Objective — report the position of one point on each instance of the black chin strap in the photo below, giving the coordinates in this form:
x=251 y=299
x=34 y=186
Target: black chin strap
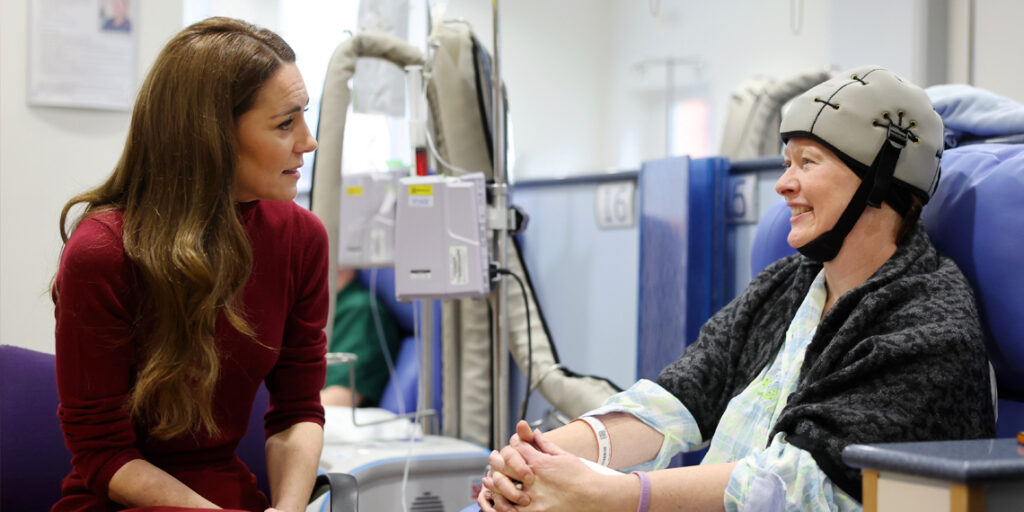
x=872 y=191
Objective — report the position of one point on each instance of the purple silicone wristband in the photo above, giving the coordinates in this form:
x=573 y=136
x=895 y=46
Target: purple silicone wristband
x=645 y=491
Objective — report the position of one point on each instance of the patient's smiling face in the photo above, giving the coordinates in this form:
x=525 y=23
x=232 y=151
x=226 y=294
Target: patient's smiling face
x=817 y=186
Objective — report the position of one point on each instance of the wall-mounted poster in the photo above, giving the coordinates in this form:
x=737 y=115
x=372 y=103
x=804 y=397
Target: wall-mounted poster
x=82 y=53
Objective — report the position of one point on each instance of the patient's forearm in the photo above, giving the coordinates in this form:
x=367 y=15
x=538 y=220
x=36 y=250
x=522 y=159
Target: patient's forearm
x=633 y=441
x=139 y=484
x=690 y=488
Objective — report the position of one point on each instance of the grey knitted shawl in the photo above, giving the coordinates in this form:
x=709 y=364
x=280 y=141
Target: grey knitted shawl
x=900 y=358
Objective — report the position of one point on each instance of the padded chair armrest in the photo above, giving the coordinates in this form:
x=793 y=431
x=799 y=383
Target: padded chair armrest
x=343 y=488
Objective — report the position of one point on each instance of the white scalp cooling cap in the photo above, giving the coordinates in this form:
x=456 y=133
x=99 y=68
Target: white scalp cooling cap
x=851 y=114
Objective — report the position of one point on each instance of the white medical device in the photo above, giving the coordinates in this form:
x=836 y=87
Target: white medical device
x=444 y=473
x=367 y=237
x=441 y=247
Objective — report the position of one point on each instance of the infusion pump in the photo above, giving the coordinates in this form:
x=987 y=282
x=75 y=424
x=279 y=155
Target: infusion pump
x=441 y=246
x=367 y=237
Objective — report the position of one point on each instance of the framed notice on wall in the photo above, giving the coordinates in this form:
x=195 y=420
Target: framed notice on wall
x=82 y=53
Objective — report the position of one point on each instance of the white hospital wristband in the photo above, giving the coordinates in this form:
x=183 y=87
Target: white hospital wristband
x=604 y=442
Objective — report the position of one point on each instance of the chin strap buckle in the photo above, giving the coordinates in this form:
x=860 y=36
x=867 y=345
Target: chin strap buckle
x=897 y=136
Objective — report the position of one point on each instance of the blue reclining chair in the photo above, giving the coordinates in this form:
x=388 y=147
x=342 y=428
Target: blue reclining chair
x=403 y=389
x=977 y=218
x=33 y=459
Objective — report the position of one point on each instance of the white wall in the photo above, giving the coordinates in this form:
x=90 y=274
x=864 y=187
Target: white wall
x=554 y=62
x=993 y=28
x=261 y=12
x=734 y=40
x=578 y=103
x=46 y=156
x=999 y=44
x=910 y=39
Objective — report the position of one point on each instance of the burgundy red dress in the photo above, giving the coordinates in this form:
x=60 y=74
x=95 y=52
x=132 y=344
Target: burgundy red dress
x=97 y=294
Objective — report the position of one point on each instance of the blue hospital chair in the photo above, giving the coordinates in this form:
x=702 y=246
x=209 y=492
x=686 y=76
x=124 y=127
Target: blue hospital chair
x=33 y=459
x=977 y=218
x=406 y=380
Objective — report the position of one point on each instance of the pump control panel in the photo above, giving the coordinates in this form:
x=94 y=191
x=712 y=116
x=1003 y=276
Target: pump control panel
x=441 y=246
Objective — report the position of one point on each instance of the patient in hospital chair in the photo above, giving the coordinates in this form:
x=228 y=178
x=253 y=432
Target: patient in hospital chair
x=359 y=328
x=868 y=335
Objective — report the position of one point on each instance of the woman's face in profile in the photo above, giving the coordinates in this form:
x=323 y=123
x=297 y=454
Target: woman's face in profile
x=272 y=136
x=817 y=186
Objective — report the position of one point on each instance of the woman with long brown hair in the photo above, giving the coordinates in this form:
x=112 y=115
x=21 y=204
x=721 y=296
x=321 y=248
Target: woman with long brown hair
x=190 y=278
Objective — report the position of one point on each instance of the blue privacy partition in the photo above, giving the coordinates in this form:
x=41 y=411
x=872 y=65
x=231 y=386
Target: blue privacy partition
x=622 y=303
x=694 y=253
x=741 y=236
x=689 y=254
x=584 y=277
x=683 y=260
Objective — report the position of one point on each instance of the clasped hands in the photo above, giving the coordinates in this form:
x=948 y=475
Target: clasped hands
x=533 y=474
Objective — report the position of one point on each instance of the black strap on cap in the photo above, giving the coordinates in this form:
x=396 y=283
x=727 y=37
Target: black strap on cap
x=873 y=188
x=885 y=163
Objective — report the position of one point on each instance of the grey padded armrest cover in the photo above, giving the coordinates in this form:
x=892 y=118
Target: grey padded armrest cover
x=326 y=199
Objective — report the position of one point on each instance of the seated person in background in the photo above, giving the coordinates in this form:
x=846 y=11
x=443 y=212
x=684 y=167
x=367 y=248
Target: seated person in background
x=356 y=331
x=868 y=336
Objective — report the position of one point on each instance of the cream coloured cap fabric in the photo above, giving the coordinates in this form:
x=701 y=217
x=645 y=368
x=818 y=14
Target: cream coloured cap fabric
x=855 y=112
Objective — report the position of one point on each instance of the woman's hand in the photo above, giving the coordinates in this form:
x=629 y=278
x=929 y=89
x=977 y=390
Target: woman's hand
x=562 y=482
x=507 y=475
x=535 y=474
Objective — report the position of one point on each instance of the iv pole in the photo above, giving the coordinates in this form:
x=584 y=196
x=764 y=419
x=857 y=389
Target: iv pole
x=499 y=354
x=670 y=64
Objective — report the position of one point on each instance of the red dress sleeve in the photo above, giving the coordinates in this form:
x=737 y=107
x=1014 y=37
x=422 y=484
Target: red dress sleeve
x=298 y=376
x=95 y=311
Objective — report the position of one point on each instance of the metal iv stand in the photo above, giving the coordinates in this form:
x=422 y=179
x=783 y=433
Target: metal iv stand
x=670 y=64
x=500 y=223
x=499 y=300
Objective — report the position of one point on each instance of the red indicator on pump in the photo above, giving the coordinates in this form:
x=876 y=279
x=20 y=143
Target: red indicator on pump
x=421 y=161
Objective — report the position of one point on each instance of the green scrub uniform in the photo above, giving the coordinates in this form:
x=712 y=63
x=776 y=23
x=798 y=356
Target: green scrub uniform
x=354 y=332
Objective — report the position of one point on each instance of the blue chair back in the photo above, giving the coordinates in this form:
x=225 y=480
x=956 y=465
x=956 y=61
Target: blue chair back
x=770 y=243
x=33 y=459
x=251 y=448
x=403 y=389
x=977 y=218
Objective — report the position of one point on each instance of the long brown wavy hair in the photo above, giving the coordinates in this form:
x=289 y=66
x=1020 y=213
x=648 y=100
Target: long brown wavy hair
x=173 y=185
